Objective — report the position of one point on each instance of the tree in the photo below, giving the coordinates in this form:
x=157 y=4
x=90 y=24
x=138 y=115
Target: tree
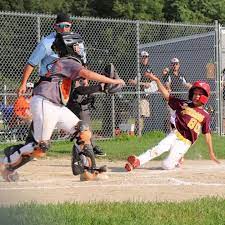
x=194 y=11
x=14 y=5
x=138 y=9
x=197 y=11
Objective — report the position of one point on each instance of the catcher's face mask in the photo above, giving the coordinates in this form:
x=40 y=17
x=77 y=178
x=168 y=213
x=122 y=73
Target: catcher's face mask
x=69 y=44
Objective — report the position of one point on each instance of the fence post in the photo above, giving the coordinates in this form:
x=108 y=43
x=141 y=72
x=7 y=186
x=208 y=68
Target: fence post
x=38 y=35
x=138 y=76
x=5 y=94
x=113 y=116
x=218 y=51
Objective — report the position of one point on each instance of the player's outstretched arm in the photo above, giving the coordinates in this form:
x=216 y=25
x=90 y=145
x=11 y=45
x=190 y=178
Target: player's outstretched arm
x=161 y=87
x=208 y=139
x=90 y=75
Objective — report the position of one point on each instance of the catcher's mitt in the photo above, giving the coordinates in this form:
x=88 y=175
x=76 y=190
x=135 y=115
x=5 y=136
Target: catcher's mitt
x=110 y=72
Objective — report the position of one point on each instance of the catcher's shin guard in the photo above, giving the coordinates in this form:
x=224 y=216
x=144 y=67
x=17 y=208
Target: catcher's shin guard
x=77 y=163
x=82 y=159
x=16 y=154
x=8 y=174
x=83 y=164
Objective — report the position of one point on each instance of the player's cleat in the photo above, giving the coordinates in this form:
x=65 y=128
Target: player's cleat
x=132 y=163
x=98 y=151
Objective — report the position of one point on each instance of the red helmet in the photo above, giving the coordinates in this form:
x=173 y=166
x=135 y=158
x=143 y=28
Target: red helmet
x=205 y=87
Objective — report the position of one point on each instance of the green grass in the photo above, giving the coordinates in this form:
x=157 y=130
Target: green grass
x=121 y=147
x=207 y=211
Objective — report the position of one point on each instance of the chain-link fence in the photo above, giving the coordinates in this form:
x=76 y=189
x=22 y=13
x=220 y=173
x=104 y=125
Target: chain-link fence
x=135 y=109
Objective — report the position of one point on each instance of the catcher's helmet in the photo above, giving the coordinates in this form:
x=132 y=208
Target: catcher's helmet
x=65 y=45
x=205 y=87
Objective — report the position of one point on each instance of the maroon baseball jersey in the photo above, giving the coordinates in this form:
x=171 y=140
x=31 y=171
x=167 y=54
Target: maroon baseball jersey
x=190 y=120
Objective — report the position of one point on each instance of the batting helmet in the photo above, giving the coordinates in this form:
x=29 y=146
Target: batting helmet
x=205 y=87
x=65 y=45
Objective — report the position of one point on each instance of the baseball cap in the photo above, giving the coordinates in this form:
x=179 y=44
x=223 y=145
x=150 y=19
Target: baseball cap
x=175 y=60
x=144 y=54
x=62 y=17
x=30 y=85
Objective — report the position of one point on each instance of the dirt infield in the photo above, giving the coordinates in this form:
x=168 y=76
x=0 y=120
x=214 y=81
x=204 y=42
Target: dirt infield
x=51 y=181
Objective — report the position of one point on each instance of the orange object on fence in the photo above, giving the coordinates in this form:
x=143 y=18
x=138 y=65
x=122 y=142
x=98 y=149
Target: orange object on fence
x=22 y=107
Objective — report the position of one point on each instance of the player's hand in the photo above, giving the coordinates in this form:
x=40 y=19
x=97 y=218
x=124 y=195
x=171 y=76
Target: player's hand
x=213 y=158
x=146 y=85
x=22 y=90
x=132 y=82
x=119 y=81
x=151 y=76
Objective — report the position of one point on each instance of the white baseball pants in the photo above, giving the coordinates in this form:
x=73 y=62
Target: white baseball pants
x=46 y=117
x=172 y=143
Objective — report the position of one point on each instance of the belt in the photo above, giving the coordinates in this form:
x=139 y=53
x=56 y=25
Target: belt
x=182 y=138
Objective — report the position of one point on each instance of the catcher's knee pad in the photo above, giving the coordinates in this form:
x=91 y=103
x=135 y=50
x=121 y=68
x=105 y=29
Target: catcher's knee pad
x=83 y=134
x=82 y=159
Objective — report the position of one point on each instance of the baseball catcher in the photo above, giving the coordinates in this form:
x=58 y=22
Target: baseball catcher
x=50 y=96
x=82 y=100
x=191 y=120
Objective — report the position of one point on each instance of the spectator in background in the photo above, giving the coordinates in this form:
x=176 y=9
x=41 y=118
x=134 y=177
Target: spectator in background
x=176 y=83
x=147 y=87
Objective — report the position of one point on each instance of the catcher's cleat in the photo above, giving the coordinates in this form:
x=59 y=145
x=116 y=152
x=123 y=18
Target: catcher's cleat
x=98 y=151
x=10 y=175
x=98 y=174
x=87 y=176
x=132 y=163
